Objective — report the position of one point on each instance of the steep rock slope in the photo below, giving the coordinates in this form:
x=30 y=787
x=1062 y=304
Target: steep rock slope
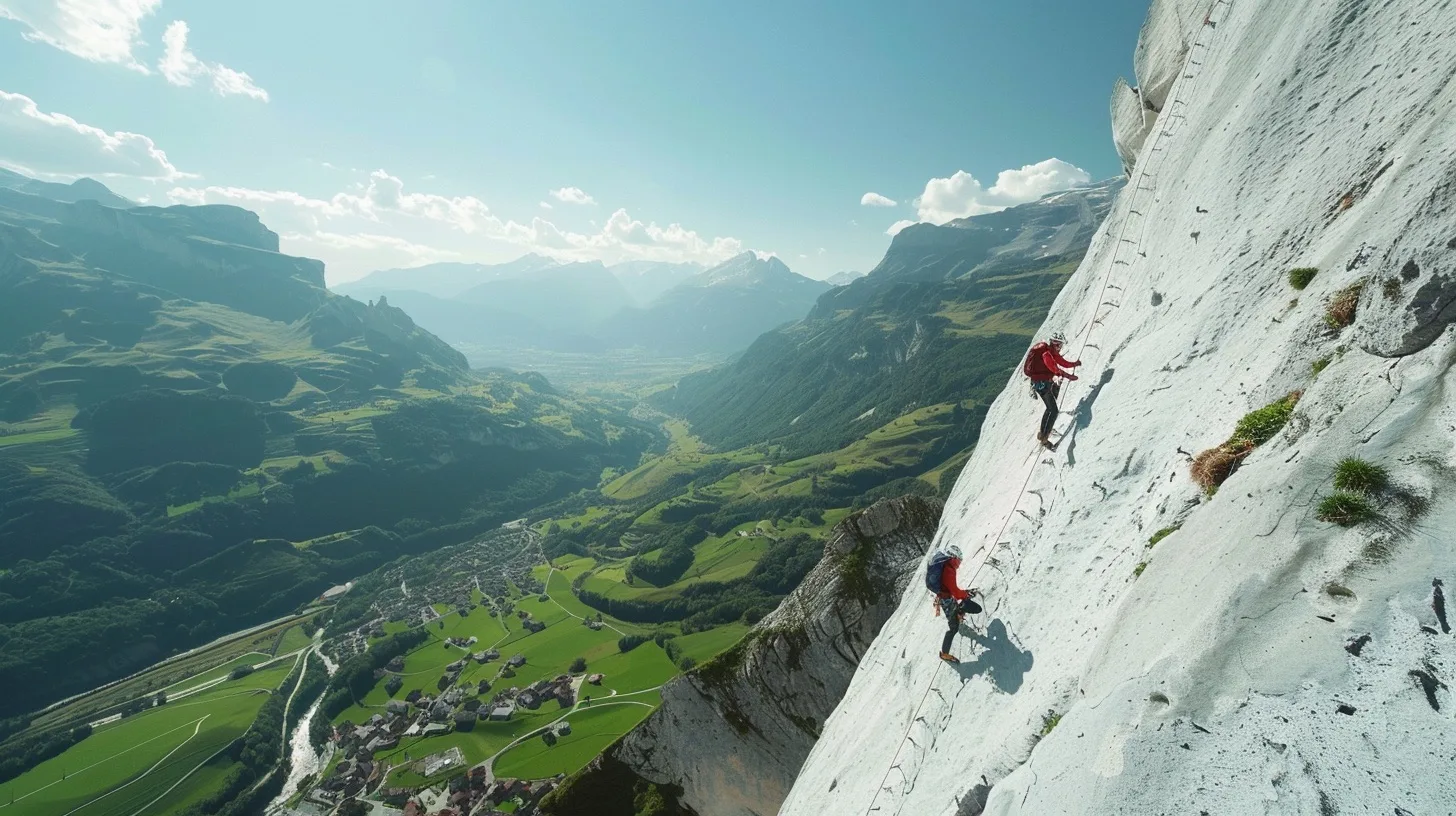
x=1264 y=660
x=732 y=734
x=942 y=317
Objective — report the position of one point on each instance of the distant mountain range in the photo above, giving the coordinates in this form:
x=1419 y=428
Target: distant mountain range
x=79 y=190
x=669 y=309
x=441 y=280
x=722 y=309
x=844 y=278
x=944 y=317
x=646 y=280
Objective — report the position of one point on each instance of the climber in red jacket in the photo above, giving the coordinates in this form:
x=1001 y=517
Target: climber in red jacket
x=1044 y=363
x=954 y=602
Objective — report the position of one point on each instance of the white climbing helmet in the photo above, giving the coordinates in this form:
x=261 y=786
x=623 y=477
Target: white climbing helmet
x=953 y=551
x=1058 y=339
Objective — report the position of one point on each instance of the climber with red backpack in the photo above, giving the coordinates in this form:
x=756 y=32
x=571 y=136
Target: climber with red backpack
x=1044 y=364
x=950 y=599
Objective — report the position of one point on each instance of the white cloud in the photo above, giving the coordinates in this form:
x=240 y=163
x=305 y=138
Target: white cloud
x=876 y=200
x=371 y=241
x=545 y=206
x=349 y=256
x=182 y=67
x=382 y=215
x=55 y=144
x=961 y=195
x=179 y=65
x=572 y=195
x=227 y=82
x=897 y=226
x=822 y=250
x=104 y=31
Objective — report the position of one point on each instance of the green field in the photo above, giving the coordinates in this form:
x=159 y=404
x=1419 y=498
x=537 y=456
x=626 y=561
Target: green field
x=593 y=728
x=182 y=673
x=242 y=491
x=722 y=558
x=685 y=456
x=898 y=444
x=292 y=640
x=199 y=785
x=249 y=659
x=37 y=436
x=126 y=765
x=703 y=646
x=47 y=426
x=717 y=559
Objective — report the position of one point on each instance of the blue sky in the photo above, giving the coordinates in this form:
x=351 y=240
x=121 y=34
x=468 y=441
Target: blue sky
x=375 y=134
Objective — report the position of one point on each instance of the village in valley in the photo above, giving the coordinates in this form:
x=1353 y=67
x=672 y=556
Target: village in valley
x=514 y=684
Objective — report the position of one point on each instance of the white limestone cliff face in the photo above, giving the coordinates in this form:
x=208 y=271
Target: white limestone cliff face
x=1264 y=661
x=1170 y=37
x=734 y=733
x=1132 y=121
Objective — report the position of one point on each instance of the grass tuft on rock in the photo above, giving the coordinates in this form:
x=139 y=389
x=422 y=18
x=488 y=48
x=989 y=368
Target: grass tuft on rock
x=1301 y=276
x=1049 y=721
x=1260 y=426
x=1354 y=475
x=1137 y=571
x=1162 y=534
x=1345 y=509
x=1341 y=310
x=1320 y=365
x=1211 y=467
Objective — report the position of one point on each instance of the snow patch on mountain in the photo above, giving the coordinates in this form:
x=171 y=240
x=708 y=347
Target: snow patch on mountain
x=1258 y=659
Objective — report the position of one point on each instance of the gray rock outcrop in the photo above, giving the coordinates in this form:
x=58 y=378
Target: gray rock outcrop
x=734 y=733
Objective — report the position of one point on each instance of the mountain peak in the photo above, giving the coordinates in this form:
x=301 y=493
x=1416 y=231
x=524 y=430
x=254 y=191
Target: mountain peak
x=82 y=189
x=749 y=269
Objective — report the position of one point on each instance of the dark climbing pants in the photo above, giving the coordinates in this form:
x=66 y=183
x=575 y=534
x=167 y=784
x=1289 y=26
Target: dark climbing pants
x=1048 y=391
x=953 y=612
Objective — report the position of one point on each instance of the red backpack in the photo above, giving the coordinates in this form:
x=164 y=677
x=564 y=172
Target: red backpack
x=1035 y=367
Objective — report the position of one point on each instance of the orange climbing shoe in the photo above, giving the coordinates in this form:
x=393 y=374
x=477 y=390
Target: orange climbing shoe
x=949 y=658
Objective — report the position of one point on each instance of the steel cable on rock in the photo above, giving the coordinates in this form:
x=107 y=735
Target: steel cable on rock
x=1142 y=174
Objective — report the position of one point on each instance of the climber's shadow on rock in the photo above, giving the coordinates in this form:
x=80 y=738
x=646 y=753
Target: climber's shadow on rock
x=1000 y=659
